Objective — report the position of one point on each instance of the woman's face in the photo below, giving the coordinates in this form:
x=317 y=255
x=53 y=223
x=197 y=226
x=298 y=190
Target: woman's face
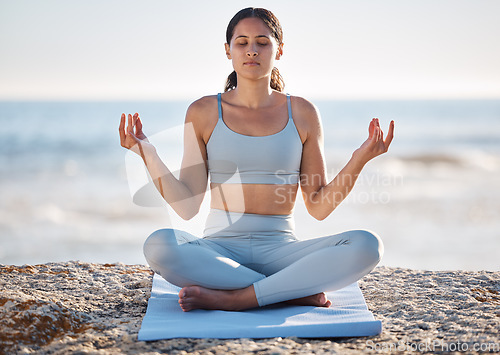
x=253 y=49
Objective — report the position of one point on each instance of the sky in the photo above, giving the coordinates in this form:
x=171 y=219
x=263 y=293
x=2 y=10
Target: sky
x=174 y=50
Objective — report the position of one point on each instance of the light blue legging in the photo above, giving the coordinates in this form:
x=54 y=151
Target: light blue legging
x=240 y=249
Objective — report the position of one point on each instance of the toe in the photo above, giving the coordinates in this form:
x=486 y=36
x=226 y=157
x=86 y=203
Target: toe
x=184 y=306
x=322 y=298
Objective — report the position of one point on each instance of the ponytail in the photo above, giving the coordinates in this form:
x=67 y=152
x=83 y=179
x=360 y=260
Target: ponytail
x=277 y=82
x=231 y=82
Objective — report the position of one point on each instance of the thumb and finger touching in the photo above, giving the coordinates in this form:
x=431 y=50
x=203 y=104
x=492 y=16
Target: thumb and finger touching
x=376 y=134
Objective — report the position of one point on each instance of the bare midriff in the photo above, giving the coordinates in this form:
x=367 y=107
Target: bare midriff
x=254 y=198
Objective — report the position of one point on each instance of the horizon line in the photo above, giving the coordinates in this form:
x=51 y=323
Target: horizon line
x=189 y=99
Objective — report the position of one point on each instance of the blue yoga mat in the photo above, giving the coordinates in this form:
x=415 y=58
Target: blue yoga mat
x=347 y=317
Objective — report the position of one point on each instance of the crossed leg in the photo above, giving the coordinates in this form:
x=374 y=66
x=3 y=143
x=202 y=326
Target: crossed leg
x=299 y=274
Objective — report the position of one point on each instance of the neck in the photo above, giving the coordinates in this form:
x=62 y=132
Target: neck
x=253 y=94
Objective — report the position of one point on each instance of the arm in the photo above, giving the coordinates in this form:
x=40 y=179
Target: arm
x=321 y=197
x=185 y=194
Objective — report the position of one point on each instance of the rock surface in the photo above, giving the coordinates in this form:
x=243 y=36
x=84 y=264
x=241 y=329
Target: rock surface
x=83 y=308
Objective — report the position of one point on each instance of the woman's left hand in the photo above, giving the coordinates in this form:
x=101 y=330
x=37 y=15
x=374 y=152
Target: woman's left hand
x=375 y=144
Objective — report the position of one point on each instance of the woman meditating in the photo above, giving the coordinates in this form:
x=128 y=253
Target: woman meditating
x=257 y=145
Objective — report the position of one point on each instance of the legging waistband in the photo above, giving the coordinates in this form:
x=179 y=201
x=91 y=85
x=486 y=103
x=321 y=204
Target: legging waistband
x=223 y=224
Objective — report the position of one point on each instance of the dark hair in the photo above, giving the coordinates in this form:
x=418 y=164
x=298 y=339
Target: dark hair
x=272 y=22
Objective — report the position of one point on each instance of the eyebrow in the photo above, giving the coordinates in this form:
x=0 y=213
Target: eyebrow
x=259 y=36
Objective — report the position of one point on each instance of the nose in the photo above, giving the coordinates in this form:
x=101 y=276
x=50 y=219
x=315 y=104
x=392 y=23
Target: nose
x=252 y=52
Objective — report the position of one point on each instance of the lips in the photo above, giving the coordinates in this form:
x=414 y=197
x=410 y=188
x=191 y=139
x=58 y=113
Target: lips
x=251 y=63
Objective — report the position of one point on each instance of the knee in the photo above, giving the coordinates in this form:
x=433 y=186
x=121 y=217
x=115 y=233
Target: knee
x=158 y=244
x=370 y=245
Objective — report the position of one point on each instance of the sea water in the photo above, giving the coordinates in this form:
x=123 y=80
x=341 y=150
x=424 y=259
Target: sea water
x=66 y=194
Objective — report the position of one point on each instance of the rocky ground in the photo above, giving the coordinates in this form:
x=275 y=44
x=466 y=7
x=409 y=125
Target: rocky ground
x=83 y=308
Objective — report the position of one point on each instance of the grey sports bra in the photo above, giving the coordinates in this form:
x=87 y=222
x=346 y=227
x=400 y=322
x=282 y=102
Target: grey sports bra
x=236 y=158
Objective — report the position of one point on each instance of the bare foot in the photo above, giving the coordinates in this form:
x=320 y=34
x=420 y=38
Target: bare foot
x=197 y=297
x=317 y=300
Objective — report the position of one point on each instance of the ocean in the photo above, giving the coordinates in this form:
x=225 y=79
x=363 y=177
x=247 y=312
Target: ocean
x=66 y=184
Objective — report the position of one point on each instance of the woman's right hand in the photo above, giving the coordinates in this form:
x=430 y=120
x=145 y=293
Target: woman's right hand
x=133 y=137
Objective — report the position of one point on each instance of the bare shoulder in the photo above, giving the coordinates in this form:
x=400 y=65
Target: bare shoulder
x=306 y=117
x=203 y=114
x=202 y=108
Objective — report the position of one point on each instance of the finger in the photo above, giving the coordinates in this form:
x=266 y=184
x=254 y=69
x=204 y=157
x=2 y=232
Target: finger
x=130 y=126
x=390 y=135
x=380 y=133
x=139 y=124
x=134 y=119
x=371 y=128
x=121 y=127
x=122 y=122
x=374 y=139
x=377 y=124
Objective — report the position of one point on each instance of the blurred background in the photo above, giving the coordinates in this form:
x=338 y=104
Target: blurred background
x=69 y=69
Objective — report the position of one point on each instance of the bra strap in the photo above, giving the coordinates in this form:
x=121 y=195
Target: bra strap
x=289 y=103
x=219 y=105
